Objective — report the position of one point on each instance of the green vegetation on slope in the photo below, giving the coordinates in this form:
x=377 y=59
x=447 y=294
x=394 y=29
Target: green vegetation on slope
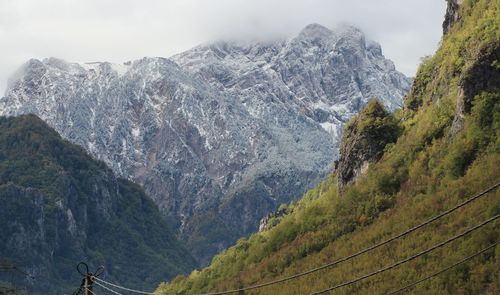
x=435 y=164
x=375 y=121
x=364 y=140
x=60 y=207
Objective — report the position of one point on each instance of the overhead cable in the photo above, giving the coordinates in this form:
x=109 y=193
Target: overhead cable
x=371 y=248
x=443 y=270
x=104 y=287
x=439 y=245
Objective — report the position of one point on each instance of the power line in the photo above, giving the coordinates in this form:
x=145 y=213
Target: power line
x=104 y=287
x=87 y=280
x=405 y=233
x=443 y=270
x=123 y=288
x=379 y=271
x=447 y=212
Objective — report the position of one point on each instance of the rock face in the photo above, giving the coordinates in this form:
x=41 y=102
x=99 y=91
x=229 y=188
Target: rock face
x=219 y=135
x=60 y=207
x=364 y=141
x=481 y=75
x=452 y=14
x=271 y=219
x=325 y=75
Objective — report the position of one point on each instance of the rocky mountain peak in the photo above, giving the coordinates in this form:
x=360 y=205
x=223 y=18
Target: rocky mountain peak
x=219 y=135
x=375 y=49
x=315 y=32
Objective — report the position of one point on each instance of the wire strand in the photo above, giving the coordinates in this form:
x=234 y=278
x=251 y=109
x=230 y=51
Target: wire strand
x=379 y=271
x=405 y=233
x=447 y=212
x=444 y=269
x=123 y=288
x=104 y=287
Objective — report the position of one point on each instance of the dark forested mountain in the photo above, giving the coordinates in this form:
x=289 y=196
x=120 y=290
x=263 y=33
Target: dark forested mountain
x=219 y=135
x=395 y=171
x=58 y=206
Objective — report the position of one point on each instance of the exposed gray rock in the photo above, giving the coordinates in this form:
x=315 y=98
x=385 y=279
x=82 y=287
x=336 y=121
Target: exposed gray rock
x=364 y=141
x=222 y=134
x=481 y=75
x=452 y=14
x=272 y=219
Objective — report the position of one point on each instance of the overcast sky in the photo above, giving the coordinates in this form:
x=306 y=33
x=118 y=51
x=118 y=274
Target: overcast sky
x=121 y=30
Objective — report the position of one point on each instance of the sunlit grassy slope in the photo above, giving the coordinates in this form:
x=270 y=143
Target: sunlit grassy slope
x=428 y=170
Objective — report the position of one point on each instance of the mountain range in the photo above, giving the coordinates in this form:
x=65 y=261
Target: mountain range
x=222 y=134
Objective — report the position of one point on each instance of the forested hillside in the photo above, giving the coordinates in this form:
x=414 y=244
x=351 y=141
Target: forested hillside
x=59 y=207
x=447 y=149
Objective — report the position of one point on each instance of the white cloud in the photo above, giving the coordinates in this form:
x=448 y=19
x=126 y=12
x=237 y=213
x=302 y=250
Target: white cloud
x=120 y=30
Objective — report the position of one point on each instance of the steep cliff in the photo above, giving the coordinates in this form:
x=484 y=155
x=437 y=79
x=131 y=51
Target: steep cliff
x=452 y=14
x=60 y=207
x=364 y=140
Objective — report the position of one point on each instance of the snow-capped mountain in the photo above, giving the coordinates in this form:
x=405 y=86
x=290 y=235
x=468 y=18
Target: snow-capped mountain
x=221 y=134
x=328 y=74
